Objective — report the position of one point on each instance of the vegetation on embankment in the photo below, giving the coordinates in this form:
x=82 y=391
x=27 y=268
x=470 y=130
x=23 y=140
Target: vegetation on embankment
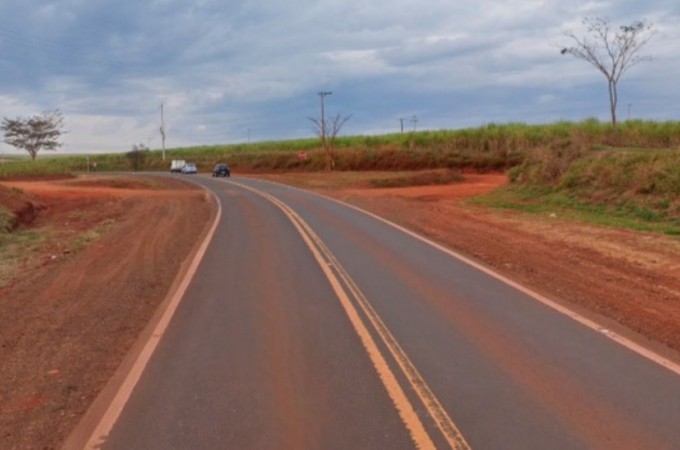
x=622 y=187
x=489 y=148
x=15 y=209
x=630 y=174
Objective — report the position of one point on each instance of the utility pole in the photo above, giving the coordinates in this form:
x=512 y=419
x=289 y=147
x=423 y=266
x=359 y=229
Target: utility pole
x=322 y=95
x=414 y=119
x=249 y=130
x=162 y=132
x=401 y=123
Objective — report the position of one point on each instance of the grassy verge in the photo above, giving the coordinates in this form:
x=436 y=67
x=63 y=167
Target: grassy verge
x=421 y=178
x=541 y=202
x=367 y=179
x=84 y=238
x=17 y=248
x=7 y=220
x=625 y=187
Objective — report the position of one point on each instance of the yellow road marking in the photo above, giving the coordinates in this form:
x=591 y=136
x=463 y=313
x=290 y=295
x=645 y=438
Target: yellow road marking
x=404 y=407
x=445 y=424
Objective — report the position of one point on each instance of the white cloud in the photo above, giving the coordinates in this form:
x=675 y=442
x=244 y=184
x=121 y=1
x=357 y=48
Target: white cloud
x=221 y=70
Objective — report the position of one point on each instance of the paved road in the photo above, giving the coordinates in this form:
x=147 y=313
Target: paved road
x=310 y=325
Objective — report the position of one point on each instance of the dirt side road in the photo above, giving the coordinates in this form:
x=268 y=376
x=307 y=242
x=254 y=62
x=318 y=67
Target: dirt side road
x=83 y=295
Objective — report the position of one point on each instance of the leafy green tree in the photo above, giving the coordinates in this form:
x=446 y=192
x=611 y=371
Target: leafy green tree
x=36 y=133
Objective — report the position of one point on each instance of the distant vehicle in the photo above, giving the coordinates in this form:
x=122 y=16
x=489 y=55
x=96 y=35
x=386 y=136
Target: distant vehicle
x=221 y=170
x=176 y=165
x=189 y=168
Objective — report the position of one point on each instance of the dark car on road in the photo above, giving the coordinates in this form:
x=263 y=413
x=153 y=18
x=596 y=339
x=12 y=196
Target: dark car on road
x=221 y=170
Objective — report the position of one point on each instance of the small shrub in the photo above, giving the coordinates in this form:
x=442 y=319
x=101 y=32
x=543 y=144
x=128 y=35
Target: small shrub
x=8 y=221
x=137 y=156
x=428 y=178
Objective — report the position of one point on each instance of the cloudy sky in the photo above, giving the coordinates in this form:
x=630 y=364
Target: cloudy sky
x=228 y=71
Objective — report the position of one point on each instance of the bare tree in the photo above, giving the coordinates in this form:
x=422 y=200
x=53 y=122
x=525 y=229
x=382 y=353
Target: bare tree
x=40 y=132
x=328 y=130
x=611 y=52
x=137 y=156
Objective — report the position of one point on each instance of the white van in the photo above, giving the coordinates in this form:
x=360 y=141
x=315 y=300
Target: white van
x=176 y=165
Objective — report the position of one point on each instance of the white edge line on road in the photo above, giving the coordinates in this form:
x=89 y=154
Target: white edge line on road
x=108 y=420
x=621 y=340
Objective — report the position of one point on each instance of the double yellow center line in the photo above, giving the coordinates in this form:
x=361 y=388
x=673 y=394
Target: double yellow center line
x=350 y=295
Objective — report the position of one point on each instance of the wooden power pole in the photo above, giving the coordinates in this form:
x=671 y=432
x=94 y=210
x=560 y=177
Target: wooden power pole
x=162 y=132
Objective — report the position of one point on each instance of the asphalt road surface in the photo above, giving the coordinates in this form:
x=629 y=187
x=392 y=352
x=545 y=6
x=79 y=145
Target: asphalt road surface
x=312 y=325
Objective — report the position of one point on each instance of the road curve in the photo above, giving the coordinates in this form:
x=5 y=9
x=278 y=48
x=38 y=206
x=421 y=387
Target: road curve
x=310 y=324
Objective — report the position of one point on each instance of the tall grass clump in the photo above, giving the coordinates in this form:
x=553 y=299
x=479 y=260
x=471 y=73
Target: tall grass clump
x=639 y=185
x=7 y=220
